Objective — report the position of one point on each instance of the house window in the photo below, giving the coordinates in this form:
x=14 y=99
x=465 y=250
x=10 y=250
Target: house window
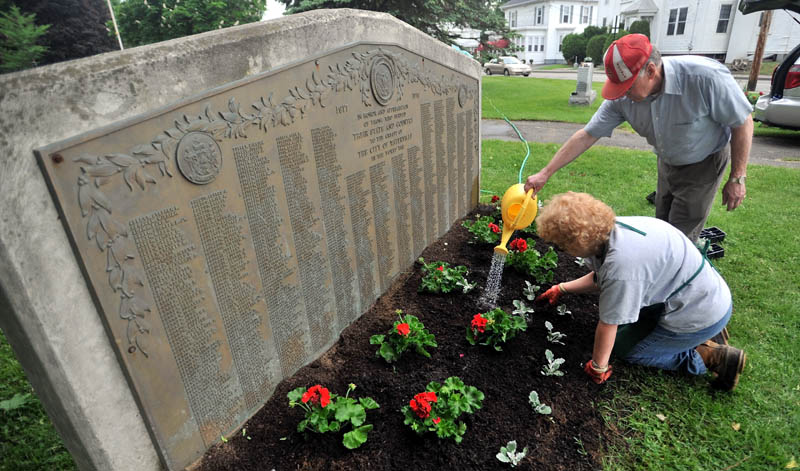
x=586 y=14
x=560 y=41
x=539 y=15
x=512 y=19
x=566 y=14
x=677 y=21
x=605 y=20
x=724 y=18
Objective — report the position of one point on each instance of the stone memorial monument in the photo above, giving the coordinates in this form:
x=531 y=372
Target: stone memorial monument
x=583 y=94
x=204 y=216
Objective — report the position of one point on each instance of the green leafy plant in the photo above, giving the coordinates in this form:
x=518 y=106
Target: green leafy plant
x=466 y=286
x=521 y=309
x=530 y=262
x=16 y=402
x=406 y=333
x=509 y=454
x=530 y=290
x=580 y=261
x=439 y=407
x=494 y=328
x=439 y=277
x=18 y=37
x=537 y=405
x=553 y=365
x=484 y=230
x=553 y=337
x=327 y=412
x=562 y=310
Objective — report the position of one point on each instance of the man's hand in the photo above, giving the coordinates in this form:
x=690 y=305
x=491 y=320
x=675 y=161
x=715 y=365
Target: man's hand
x=733 y=194
x=551 y=295
x=598 y=375
x=536 y=181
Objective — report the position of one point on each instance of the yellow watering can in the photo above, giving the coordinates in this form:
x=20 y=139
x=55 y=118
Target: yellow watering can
x=518 y=209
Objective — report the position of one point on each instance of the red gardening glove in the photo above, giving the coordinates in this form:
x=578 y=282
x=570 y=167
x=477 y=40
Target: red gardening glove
x=598 y=376
x=550 y=295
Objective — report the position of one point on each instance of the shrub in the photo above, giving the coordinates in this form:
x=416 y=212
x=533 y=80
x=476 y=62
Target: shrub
x=18 y=37
x=594 y=48
x=573 y=47
x=613 y=37
x=641 y=27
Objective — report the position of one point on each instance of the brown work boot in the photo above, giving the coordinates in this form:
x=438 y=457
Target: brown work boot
x=721 y=337
x=725 y=361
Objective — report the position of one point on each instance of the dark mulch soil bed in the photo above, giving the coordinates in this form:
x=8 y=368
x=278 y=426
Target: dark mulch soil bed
x=572 y=440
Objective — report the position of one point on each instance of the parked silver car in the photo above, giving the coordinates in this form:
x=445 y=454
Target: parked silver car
x=507 y=65
x=781 y=106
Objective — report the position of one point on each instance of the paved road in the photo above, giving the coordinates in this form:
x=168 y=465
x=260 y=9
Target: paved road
x=778 y=152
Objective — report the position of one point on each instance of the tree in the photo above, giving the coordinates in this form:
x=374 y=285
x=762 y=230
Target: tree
x=573 y=47
x=18 y=37
x=148 y=21
x=433 y=17
x=613 y=37
x=641 y=27
x=594 y=48
x=591 y=31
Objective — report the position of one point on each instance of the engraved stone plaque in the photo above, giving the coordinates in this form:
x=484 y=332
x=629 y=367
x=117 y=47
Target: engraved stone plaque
x=229 y=238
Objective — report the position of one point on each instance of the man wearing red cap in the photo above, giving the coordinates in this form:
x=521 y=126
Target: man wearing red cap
x=690 y=109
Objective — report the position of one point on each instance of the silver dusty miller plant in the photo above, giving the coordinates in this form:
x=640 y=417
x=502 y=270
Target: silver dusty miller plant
x=522 y=309
x=537 y=405
x=562 y=310
x=530 y=290
x=553 y=365
x=508 y=454
x=466 y=286
x=552 y=336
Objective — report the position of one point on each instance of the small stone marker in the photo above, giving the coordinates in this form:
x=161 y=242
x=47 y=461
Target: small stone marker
x=583 y=94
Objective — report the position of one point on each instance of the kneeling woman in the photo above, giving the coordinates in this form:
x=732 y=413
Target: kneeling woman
x=661 y=302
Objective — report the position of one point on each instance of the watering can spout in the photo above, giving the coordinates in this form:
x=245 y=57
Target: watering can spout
x=518 y=210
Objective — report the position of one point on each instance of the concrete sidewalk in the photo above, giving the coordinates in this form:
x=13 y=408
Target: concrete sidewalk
x=778 y=152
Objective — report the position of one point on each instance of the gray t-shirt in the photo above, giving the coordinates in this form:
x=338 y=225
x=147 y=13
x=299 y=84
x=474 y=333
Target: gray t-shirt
x=642 y=270
x=689 y=119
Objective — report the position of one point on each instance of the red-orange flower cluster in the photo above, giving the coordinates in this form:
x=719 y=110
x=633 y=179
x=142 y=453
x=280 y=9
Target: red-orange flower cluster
x=479 y=323
x=317 y=394
x=403 y=329
x=519 y=245
x=495 y=198
x=494 y=227
x=421 y=404
x=441 y=268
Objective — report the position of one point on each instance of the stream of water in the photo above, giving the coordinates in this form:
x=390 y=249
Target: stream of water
x=489 y=297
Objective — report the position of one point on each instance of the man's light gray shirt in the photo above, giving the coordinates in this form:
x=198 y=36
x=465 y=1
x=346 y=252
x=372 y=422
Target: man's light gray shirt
x=642 y=270
x=689 y=120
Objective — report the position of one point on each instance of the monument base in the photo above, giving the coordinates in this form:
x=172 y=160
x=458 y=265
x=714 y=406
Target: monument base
x=582 y=99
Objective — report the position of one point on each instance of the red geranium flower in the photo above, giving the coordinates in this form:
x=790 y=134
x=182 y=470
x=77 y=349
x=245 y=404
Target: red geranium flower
x=479 y=323
x=437 y=420
x=403 y=329
x=441 y=268
x=317 y=394
x=495 y=198
x=421 y=404
x=519 y=245
x=494 y=227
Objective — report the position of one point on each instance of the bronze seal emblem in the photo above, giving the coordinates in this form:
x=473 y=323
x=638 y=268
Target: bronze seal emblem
x=381 y=80
x=199 y=158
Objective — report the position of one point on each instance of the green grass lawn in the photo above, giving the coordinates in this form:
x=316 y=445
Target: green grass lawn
x=554 y=67
x=539 y=99
x=760 y=265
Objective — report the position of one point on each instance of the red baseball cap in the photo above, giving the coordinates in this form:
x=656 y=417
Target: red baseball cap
x=623 y=60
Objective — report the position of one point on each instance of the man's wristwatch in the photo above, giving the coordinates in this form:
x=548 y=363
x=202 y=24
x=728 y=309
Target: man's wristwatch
x=737 y=179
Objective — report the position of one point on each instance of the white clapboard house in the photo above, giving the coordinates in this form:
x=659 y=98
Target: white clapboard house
x=713 y=28
x=543 y=24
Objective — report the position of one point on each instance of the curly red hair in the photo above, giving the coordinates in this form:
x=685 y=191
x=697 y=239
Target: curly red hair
x=577 y=222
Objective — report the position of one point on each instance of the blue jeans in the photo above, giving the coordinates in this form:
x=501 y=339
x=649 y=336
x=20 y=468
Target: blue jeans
x=675 y=351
